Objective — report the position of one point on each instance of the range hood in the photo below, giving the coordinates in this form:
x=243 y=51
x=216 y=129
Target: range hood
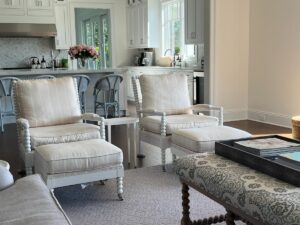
x=27 y=30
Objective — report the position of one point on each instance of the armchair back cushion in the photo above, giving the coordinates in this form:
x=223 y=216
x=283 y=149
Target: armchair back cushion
x=47 y=102
x=165 y=93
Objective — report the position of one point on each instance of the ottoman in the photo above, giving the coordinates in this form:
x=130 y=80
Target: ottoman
x=79 y=162
x=246 y=194
x=196 y=140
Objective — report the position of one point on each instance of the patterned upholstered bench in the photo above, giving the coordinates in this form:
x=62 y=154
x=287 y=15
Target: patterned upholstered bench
x=246 y=194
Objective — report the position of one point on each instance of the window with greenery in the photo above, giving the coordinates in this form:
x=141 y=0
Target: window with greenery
x=173 y=28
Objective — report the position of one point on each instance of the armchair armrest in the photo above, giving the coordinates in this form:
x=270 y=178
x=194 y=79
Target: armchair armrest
x=95 y=118
x=24 y=134
x=206 y=108
x=152 y=112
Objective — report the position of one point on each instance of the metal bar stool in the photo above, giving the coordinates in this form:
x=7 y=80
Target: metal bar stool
x=83 y=82
x=6 y=106
x=107 y=94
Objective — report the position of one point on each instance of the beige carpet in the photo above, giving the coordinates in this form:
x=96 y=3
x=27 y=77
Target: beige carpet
x=151 y=197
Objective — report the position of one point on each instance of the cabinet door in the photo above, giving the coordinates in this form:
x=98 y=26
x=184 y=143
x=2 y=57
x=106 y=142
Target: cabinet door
x=130 y=26
x=40 y=7
x=143 y=25
x=12 y=7
x=62 y=39
x=194 y=21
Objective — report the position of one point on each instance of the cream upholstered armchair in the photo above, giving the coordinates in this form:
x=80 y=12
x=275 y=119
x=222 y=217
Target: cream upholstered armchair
x=163 y=105
x=48 y=112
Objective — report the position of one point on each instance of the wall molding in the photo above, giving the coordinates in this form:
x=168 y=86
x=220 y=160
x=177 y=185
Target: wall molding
x=270 y=118
x=235 y=114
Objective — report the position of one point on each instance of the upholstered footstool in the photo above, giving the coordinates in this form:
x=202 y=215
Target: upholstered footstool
x=197 y=140
x=79 y=162
x=246 y=194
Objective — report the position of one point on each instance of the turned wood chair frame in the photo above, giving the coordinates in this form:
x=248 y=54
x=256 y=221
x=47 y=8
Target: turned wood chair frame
x=231 y=215
x=162 y=140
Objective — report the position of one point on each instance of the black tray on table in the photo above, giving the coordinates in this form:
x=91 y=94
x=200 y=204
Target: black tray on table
x=265 y=165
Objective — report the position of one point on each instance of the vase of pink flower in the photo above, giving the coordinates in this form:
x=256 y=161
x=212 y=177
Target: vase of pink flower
x=82 y=53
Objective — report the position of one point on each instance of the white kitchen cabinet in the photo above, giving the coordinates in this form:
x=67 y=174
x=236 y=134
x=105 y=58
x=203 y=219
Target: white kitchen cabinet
x=63 y=37
x=40 y=8
x=142 y=19
x=12 y=7
x=194 y=21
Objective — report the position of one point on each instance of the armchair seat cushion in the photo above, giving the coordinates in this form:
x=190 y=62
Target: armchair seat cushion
x=175 y=122
x=63 y=134
x=76 y=157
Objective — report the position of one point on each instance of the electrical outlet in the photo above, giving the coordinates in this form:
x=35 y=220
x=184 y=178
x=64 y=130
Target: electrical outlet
x=262 y=117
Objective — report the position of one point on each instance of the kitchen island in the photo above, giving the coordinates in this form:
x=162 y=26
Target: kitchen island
x=93 y=74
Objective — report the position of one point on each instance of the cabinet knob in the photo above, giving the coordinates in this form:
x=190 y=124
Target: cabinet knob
x=141 y=40
x=131 y=42
x=193 y=35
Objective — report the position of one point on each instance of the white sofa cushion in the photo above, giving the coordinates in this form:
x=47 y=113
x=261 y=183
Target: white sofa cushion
x=203 y=139
x=76 y=156
x=165 y=93
x=175 y=122
x=63 y=134
x=46 y=102
x=29 y=201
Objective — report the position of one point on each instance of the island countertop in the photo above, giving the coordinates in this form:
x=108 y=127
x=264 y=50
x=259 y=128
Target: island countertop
x=59 y=71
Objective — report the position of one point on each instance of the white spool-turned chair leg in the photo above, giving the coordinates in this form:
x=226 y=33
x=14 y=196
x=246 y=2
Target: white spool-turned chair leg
x=120 y=187
x=163 y=159
x=173 y=157
x=28 y=171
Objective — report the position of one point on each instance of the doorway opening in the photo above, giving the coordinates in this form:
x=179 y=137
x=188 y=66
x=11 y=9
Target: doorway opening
x=93 y=28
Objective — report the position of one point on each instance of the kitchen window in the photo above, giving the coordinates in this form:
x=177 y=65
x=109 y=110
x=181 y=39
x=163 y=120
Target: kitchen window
x=173 y=28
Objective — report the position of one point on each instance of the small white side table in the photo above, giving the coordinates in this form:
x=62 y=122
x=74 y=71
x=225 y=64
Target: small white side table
x=125 y=121
x=5 y=164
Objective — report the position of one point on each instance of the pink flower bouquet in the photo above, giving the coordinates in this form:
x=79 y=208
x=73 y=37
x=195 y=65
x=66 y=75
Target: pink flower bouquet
x=82 y=51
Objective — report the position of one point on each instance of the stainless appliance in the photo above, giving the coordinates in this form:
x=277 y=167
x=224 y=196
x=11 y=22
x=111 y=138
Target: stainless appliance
x=198 y=87
x=27 y=30
x=145 y=59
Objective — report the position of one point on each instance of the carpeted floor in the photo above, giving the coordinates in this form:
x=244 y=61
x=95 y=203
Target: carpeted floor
x=151 y=197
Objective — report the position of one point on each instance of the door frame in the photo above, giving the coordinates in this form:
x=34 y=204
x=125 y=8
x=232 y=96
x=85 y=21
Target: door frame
x=94 y=5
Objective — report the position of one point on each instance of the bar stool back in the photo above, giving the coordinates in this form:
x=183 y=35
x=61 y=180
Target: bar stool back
x=6 y=106
x=107 y=94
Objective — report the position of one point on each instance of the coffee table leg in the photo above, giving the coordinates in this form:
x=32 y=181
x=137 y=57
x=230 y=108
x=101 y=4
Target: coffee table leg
x=185 y=205
x=230 y=218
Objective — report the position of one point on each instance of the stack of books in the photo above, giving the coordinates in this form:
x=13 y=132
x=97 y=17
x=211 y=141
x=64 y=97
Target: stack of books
x=291 y=160
x=267 y=147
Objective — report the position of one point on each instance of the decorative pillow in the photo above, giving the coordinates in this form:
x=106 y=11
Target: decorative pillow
x=6 y=178
x=165 y=93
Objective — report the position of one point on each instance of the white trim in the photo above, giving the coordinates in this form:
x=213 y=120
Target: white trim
x=270 y=118
x=235 y=114
x=95 y=5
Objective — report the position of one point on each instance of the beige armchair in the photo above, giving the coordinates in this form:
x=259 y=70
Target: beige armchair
x=163 y=105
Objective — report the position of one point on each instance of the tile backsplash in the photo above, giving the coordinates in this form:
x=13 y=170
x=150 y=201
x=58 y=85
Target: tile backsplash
x=16 y=52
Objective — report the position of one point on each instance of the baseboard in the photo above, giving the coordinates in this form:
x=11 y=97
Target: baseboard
x=270 y=118
x=235 y=114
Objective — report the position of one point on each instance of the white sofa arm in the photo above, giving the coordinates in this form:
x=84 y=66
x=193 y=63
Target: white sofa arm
x=96 y=118
x=206 y=108
x=24 y=134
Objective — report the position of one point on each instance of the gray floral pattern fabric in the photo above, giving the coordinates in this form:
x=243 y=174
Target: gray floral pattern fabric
x=260 y=196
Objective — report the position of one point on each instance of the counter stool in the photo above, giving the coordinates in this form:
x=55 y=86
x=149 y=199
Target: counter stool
x=6 y=106
x=83 y=82
x=107 y=94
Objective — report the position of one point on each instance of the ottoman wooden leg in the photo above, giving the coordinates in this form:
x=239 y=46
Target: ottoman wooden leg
x=185 y=205
x=120 y=187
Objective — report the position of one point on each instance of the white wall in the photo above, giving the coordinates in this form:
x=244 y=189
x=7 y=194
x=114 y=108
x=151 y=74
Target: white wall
x=274 y=60
x=230 y=79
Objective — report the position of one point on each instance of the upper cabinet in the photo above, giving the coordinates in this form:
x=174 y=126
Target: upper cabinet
x=12 y=7
x=142 y=20
x=27 y=11
x=194 y=21
x=63 y=37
